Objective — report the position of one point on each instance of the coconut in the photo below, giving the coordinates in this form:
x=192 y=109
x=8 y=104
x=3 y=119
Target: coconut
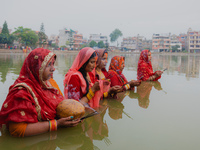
x=70 y=107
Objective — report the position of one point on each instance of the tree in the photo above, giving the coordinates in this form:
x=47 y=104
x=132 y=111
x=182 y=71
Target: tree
x=93 y=44
x=115 y=35
x=101 y=44
x=5 y=37
x=26 y=36
x=175 y=48
x=42 y=36
x=5 y=29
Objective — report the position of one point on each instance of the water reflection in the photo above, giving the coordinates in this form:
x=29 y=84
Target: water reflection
x=102 y=131
x=10 y=63
x=143 y=92
x=183 y=64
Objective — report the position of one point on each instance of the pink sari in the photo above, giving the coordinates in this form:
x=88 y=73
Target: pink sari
x=82 y=57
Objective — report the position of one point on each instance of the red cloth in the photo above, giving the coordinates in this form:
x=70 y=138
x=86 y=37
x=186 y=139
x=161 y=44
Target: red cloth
x=105 y=72
x=100 y=53
x=29 y=98
x=75 y=84
x=82 y=57
x=114 y=73
x=145 y=69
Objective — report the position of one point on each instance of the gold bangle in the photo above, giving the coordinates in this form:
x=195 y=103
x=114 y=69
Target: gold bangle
x=90 y=91
x=89 y=97
x=90 y=94
x=127 y=86
x=105 y=94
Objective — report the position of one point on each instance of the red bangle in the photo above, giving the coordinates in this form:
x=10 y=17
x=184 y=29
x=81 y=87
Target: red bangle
x=53 y=125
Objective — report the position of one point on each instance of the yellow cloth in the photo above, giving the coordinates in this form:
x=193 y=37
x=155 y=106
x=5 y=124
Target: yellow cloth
x=54 y=84
x=17 y=129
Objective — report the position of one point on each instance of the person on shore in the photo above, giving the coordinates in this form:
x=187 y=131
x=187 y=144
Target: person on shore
x=101 y=72
x=145 y=70
x=80 y=83
x=30 y=106
x=116 y=76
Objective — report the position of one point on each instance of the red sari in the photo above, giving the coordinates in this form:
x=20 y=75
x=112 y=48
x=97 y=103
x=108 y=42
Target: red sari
x=114 y=74
x=145 y=69
x=100 y=53
x=30 y=99
x=75 y=86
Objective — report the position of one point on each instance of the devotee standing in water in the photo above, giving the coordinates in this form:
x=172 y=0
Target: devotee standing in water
x=101 y=72
x=145 y=70
x=80 y=83
x=116 y=76
x=30 y=106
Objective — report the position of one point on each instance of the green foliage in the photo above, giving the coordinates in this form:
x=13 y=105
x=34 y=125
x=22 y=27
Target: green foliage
x=67 y=43
x=101 y=44
x=5 y=37
x=175 y=48
x=5 y=28
x=42 y=36
x=93 y=44
x=54 y=45
x=26 y=36
x=115 y=35
x=84 y=45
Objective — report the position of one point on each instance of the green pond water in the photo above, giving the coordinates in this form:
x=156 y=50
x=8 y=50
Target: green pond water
x=162 y=115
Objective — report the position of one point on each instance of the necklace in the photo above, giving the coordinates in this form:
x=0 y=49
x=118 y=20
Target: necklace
x=101 y=75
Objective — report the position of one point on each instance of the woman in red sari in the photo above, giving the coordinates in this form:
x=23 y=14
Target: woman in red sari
x=145 y=70
x=102 y=60
x=115 y=74
x=101 y=72
x=30 y=106
x=80 y=83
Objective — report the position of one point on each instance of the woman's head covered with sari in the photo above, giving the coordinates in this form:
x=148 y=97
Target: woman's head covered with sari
x=29 y=98
x=79 y=63
x=101 y=53
x=115 y=71
x=116 y=63
x=144 y=69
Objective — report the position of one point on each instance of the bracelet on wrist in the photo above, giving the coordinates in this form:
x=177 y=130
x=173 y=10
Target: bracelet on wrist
x=127 y=86
x=52 y=125
x=105 y=94
x=90 y=94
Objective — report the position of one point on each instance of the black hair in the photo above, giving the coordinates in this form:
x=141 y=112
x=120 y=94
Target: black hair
x=105 y=52
x=83 y=72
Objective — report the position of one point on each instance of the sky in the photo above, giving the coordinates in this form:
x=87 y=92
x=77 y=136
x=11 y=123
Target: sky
x=131 y=17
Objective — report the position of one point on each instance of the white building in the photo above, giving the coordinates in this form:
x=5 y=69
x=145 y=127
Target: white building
x=129 y=43
x=97 y=38
x=174 y=41
x=64 y=35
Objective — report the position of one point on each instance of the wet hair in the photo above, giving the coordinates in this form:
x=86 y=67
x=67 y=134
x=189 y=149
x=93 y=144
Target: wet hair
x=83 y=72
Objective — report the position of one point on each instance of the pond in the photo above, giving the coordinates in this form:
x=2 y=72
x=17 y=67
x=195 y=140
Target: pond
x=156 y=115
